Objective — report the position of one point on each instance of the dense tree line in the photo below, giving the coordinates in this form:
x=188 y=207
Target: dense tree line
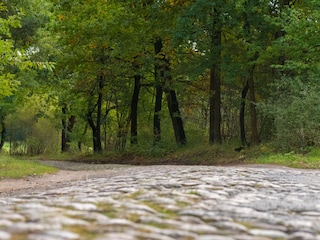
x=100 y=72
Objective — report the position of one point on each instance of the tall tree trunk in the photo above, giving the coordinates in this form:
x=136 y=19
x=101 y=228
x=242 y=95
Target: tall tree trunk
x=176 y=119
x=158 y=75
x=215 y=89
x=96 y=126
x=134 y=110
x=67 y=128
x=242 y=114
x=215 y=83
x=164 y=78
x=250 y=83
x=215 y=107
x=253 y=110
x=2 y=132
x=156 y=116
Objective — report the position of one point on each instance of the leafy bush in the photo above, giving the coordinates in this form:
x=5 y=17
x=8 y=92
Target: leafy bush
x=296 y=112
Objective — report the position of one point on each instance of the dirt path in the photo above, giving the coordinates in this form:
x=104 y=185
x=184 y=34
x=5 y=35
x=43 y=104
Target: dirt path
x=69 y=171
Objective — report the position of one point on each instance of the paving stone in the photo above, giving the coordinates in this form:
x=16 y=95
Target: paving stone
x=28 y=227
x=172 y=202
x=268 y=233
x=301 y=236
x=4 y=235
x=54 y=235
x=213 y=237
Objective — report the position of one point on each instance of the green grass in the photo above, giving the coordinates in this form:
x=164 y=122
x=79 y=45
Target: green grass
x=265 y=155
x=11 y=167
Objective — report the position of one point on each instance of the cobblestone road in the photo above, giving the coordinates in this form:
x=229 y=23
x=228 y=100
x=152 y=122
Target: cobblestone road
x=171 y=202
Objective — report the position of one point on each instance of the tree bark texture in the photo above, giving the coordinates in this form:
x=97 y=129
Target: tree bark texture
x=215 y=83
x=253 y=110
x=95 y=124
x=158 y=76
x=67 y=128
x=2 y=133
x=176 y=119
x=242 y=114
x=164 y=80
x=134 y=110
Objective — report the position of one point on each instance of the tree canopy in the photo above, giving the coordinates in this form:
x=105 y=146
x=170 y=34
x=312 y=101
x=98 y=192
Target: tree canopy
x=100 y=72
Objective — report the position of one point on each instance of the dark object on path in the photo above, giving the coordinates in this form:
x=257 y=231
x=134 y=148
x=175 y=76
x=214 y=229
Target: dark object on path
x=239 y=149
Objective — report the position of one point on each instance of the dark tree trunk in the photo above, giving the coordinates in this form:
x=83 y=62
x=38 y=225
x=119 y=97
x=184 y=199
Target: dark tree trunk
x=158 y=75
x=250 y=86
x=253 y=110
x=163 y=78
x=134 y=110
x=156 y=116
x=215 y=83
x=67 y=128
x=2 y=133
x=175 y=115
x=242 y=114
x=96 y=126
x=64 y=145
x=215 y=107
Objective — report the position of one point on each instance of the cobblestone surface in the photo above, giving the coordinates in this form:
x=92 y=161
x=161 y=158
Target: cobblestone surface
x=171 y=202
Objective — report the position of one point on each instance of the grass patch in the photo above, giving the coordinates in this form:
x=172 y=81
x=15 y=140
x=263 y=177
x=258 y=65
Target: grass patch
x=11 y=167
x=264 y=155
x=109 y=210
x=82 y=231
x=161 y=209
x=199 y=154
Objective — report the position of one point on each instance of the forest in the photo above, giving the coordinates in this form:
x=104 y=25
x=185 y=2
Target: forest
x=101 y=76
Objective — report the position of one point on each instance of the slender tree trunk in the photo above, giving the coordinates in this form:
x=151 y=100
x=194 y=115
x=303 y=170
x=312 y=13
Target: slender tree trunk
x=98 y=148
x=215 y=107
x=163 y=78
x=176 y=119
x=64 y=145
x=215 y=84
x=134 y=110
x=250 y=83
x=156 y=116
x=2 y=133
x=253 y=110
x=158 y=75
x=67 y=128
x=96 y=126
x=242 y=114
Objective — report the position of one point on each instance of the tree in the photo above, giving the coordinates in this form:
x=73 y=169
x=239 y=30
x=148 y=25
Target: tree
x=202 y=26
x=293 y=102
x=9 y=55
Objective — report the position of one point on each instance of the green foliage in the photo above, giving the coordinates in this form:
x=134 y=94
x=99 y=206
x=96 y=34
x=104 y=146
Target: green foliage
x=9 y=56
x=293 y=103
x=31 y=130
x=58 y=51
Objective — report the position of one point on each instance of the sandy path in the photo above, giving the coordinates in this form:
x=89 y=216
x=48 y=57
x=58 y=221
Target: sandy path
x=9 y=187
